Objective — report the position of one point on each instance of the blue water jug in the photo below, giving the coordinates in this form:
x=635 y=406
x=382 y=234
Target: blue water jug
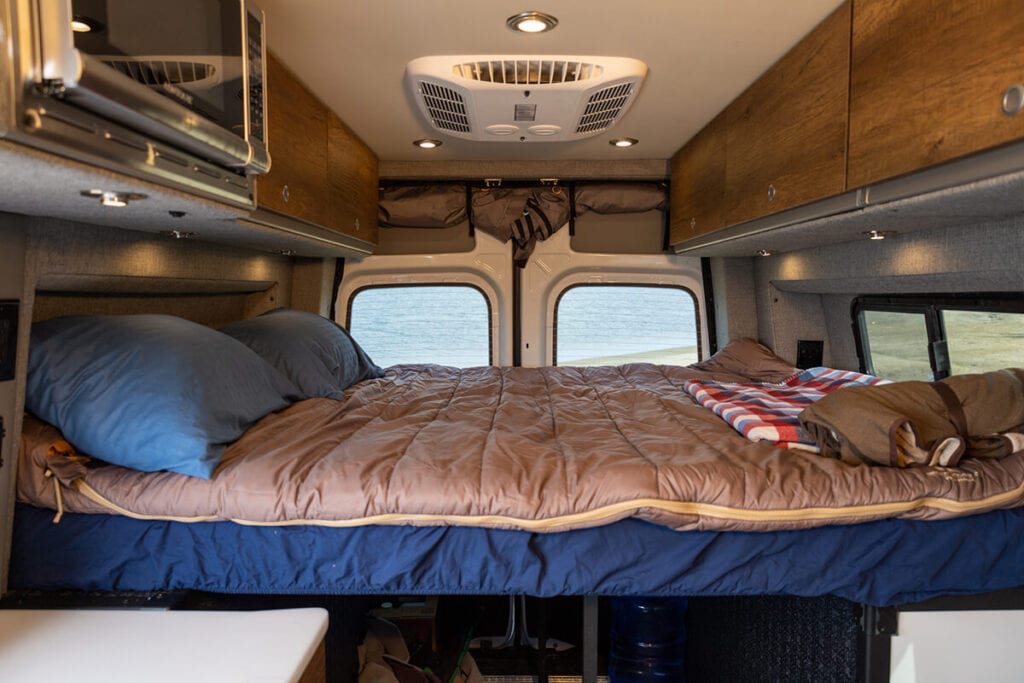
x=648 y=640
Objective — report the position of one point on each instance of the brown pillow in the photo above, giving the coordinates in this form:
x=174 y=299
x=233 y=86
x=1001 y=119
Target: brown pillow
x=749 y=358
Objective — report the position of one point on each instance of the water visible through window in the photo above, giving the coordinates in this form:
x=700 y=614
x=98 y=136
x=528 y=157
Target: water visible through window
x=446 y=325
x=611 y=325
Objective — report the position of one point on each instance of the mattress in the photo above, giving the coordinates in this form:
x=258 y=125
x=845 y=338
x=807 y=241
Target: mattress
x=885 y=562
x=531 y=449
x=540 y=481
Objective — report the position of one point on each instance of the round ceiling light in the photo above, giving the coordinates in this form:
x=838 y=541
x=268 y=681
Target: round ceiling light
x=531 y=22
x=623 y=142
x=427 y=143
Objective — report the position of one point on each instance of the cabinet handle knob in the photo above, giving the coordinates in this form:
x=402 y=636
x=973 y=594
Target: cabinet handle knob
x=285 y=194
x=356 y=225
x=693 y=224
x=1013 y=99
x=771 y=193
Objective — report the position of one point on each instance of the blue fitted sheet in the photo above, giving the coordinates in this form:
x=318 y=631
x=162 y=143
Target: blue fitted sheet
x=879 y=563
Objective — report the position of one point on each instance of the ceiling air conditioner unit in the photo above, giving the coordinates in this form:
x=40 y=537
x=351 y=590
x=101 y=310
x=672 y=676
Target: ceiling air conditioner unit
x=522 y=99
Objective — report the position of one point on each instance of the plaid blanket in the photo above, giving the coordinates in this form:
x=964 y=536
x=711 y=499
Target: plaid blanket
x=768 y=412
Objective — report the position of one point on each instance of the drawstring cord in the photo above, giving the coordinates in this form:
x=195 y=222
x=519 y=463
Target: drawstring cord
x=56 y=490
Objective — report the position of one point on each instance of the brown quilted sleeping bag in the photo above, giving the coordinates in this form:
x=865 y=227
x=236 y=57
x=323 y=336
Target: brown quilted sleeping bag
x=922 y=423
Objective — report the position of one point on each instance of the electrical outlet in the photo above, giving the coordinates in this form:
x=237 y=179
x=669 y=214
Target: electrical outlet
x=8 y=339
x=809 y=353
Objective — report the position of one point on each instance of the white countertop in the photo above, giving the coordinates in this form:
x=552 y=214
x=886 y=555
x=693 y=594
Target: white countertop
x=45 y=646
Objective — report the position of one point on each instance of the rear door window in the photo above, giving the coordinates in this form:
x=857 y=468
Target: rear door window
x=441 y=324
x=616 y=324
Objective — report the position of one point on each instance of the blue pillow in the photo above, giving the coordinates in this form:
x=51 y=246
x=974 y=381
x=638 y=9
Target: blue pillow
x=316 y=354
x=150 y=392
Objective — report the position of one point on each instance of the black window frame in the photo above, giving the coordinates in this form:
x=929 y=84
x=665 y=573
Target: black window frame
x=931 y=307
x=393 y=285
x=649 y=285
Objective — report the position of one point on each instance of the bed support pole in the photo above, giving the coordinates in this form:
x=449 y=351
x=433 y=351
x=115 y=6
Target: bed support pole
x=589 y=639
x=877 y=627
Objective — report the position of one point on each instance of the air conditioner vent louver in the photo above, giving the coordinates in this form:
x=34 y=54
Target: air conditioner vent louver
x=517 y=98
x=446 y=107
x=603 y=108
x=527 y=71
x=156 y=72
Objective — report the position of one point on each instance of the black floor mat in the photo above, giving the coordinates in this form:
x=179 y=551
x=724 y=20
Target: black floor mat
x=772 y=638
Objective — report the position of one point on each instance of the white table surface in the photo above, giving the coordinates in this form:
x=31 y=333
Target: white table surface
x=44 y=646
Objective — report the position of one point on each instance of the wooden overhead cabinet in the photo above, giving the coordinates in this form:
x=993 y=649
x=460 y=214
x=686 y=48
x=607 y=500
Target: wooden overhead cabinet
x=786 y=134
x=321 y=172
x=698 y=184
x=932 y=81
x=353 y=178
x=297 y=130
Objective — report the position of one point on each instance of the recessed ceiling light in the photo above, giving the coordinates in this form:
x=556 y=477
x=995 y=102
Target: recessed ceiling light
x=80 y=24
x=427 y=143
x=623 y=142
x=765 y=252
x=114 y=199
x=879 y=234
x=179 y=234
x=531 y=22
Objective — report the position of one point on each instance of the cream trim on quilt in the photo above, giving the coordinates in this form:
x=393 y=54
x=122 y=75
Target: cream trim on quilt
x=608 y=511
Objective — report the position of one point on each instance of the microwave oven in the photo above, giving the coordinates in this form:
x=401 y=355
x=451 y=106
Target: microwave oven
x=170 y=91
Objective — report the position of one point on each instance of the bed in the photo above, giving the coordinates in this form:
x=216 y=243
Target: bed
x=598 y=481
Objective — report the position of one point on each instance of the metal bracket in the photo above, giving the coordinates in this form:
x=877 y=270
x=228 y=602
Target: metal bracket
x=549 y=181
x=880 y=621
x=492 y=182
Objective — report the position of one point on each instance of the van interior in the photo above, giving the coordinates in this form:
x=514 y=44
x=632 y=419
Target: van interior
x=573 y=341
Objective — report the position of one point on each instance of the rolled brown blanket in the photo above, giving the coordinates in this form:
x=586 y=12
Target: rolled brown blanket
x=922 y=423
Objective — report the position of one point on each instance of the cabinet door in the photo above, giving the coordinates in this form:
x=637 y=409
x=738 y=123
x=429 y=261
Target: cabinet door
x=353 y=178
x=698 y=184
x=928 y=80
x=297 y=132
x=786 y=142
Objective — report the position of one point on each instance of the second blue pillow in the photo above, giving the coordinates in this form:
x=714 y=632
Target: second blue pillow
x=315 y=353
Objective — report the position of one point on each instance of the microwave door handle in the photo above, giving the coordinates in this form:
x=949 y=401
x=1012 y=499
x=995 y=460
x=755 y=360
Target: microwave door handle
x=61 y=62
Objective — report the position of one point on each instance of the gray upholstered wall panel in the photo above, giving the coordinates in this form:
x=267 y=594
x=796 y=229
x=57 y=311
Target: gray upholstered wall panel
x=839 y=331
x=735 y=305
x=951 y=259
x=786 y=317
x=58 y=249
x=985 y=257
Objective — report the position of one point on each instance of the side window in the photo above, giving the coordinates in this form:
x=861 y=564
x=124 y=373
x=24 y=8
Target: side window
x=980 y=341
x=897 y=344
x=442 y=324
x=928 y=338
x=615 y=324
